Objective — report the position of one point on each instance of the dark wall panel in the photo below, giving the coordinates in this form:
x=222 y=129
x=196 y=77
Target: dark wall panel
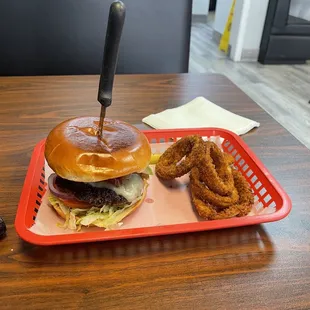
x=46 y=37
x=285 y=39
x=288 y=47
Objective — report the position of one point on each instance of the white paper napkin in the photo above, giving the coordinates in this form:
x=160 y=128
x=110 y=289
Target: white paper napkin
x=200 y=112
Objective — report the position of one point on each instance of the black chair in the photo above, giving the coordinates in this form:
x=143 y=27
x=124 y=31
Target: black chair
x=64 y=37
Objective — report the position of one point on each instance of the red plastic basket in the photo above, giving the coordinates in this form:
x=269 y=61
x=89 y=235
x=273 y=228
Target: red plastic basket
x=265 y=187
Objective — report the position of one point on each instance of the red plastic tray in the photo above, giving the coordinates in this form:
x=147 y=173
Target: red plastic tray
x=262 y=182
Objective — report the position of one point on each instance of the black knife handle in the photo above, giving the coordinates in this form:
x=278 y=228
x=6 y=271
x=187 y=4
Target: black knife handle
x=110 y=56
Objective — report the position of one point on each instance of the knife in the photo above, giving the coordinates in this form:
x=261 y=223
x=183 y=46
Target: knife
x=111 y=48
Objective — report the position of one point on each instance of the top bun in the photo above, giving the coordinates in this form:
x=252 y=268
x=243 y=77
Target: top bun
x=74 y=151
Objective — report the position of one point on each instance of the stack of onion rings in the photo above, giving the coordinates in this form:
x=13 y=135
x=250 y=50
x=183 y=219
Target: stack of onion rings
x=218 y=190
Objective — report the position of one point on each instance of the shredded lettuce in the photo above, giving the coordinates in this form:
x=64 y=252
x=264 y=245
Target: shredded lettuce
x=106 y=216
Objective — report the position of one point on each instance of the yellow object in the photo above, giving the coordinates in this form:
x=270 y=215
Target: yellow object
x=224 y=43
x=154 y=159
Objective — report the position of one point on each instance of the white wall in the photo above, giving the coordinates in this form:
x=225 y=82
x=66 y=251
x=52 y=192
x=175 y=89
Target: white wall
x=221 y=14
x=248 y=25
x=255 y=24
x=238 y=29
x=300 y=8
x=201 y=7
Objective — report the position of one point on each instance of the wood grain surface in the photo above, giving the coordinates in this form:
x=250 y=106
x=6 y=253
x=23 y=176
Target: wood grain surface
x=257 y=267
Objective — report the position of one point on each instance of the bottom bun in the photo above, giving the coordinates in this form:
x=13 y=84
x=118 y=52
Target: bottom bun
x=121 y=216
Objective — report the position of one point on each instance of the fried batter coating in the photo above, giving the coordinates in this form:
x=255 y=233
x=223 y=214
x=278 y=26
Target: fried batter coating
x=209 y=211
x=229 y=158
x=246 y=197
x=201 y=191
x=215 y=171
x=180 y=158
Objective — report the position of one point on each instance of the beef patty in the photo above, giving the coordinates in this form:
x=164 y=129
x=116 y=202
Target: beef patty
x=96 y=197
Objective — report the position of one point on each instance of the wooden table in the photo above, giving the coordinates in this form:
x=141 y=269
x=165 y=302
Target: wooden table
x=258 y=267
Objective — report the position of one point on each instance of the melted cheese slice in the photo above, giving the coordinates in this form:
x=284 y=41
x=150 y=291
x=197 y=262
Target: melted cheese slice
x=131 y=187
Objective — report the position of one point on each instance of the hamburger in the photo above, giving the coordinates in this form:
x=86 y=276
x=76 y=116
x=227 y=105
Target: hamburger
x=96 y=181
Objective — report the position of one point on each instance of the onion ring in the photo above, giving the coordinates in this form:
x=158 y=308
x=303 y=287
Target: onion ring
x=215 y=170
x=246 y=197
x=207 y=211
x=230 y=160
x=241 y=208
x=207 y=195
x=180 y=157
